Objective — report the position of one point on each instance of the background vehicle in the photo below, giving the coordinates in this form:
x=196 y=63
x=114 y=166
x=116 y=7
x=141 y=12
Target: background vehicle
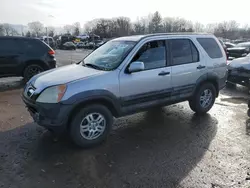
x=63 y=39
x=100 y=43
x=80 y=44
x=239 y=50
x=26 y=57
x=50 y=41
x=239 y=72
x=224 y=47
x=229 y=44
x=68 y=46
x=124 y=76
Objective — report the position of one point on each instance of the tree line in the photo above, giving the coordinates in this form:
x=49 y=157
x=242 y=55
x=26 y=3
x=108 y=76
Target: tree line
x=123 y=26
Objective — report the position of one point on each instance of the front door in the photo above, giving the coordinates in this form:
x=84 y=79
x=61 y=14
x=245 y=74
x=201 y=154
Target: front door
x=154 y=82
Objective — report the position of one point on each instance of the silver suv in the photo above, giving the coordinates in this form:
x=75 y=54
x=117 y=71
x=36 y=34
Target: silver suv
x=124 y=76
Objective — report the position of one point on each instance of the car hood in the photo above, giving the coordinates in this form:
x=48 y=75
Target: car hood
x=63 y=75
x=243 y=62
x=236 y=48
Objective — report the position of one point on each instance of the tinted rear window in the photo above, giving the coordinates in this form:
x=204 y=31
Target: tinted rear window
x=211 y=47
x=9 y=46
x=183 y=51
x=34 y=46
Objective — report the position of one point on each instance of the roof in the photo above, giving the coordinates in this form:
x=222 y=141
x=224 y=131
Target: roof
x=139 y=37
x=131 y=38
x=16 y=37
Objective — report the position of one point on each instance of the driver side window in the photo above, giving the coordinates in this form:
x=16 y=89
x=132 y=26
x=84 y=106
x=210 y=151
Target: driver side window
x=152 y=54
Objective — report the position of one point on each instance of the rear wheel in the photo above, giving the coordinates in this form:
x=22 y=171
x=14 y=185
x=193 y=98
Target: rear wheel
x=32 y=70
x=203 y=99
x=91 y=125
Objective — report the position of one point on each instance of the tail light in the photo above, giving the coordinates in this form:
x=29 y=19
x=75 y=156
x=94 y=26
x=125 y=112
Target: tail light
x=51 y=52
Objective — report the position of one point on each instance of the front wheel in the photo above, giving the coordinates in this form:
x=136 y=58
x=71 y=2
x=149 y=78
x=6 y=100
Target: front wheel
x=91 y=125
x=204 y=99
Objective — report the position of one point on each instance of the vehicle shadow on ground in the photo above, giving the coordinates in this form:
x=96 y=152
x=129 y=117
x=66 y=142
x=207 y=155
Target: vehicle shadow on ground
x=152 y=149
x=235 y=91
x=235 y=95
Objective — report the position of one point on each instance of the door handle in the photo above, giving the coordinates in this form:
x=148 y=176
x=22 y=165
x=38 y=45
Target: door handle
x=201 y=67
x=163 y=73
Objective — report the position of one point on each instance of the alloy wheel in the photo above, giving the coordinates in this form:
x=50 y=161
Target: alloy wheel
x=206 y=98
x=92 y=126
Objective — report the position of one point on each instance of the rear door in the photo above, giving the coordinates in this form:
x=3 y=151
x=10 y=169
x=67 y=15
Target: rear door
x=215 y=56
x=10 y=53
x=187 y=66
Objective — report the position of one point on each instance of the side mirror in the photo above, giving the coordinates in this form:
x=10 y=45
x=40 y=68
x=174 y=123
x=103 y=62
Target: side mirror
x=136 y=66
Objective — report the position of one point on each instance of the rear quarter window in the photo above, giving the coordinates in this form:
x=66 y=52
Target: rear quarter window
x=34 y=46
x=9 y=45
x=211 y=47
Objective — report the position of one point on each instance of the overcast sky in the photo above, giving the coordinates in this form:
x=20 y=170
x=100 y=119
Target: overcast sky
x=61 y=12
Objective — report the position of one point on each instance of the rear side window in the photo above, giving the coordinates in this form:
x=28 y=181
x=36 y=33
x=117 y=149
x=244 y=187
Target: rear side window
x=34 y=46
x=183 y=51
x=9 y=46
x=211 y=47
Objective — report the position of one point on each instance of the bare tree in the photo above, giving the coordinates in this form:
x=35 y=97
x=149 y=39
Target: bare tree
x=51 y=31
x=7 y=29
x=123 y=26
x=36 y=28
x=90 y=26
x=28 y=34
x=198 y=27
x=155 y=24
x=102 y=28
x=168 y=24
x=13 y=32
x=210 y=28
x=139 y=27
x=68 y=29
x=76 y=28
x=1 y=30
x=227 y=29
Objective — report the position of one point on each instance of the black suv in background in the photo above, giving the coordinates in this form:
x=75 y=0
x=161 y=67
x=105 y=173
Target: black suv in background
x=26 y=57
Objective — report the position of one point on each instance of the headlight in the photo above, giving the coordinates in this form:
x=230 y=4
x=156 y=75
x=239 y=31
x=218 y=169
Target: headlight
x=52 y=94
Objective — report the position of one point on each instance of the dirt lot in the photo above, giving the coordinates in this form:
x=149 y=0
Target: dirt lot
x=168 y=147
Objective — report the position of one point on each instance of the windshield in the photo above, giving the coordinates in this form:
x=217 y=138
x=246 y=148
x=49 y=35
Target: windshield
x=110 y=55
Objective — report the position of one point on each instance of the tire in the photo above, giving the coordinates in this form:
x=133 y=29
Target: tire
x=195 y=102
x=83 y=138
x=31 y=70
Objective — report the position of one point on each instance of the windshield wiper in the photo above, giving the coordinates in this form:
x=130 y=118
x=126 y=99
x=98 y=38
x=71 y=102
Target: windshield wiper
x=92 y=66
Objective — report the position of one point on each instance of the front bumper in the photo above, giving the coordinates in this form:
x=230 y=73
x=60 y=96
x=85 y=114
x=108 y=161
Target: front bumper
x=238 y=77
x=51 y=116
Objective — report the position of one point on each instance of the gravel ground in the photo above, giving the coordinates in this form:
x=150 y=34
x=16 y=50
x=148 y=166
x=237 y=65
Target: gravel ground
x=165 y=147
